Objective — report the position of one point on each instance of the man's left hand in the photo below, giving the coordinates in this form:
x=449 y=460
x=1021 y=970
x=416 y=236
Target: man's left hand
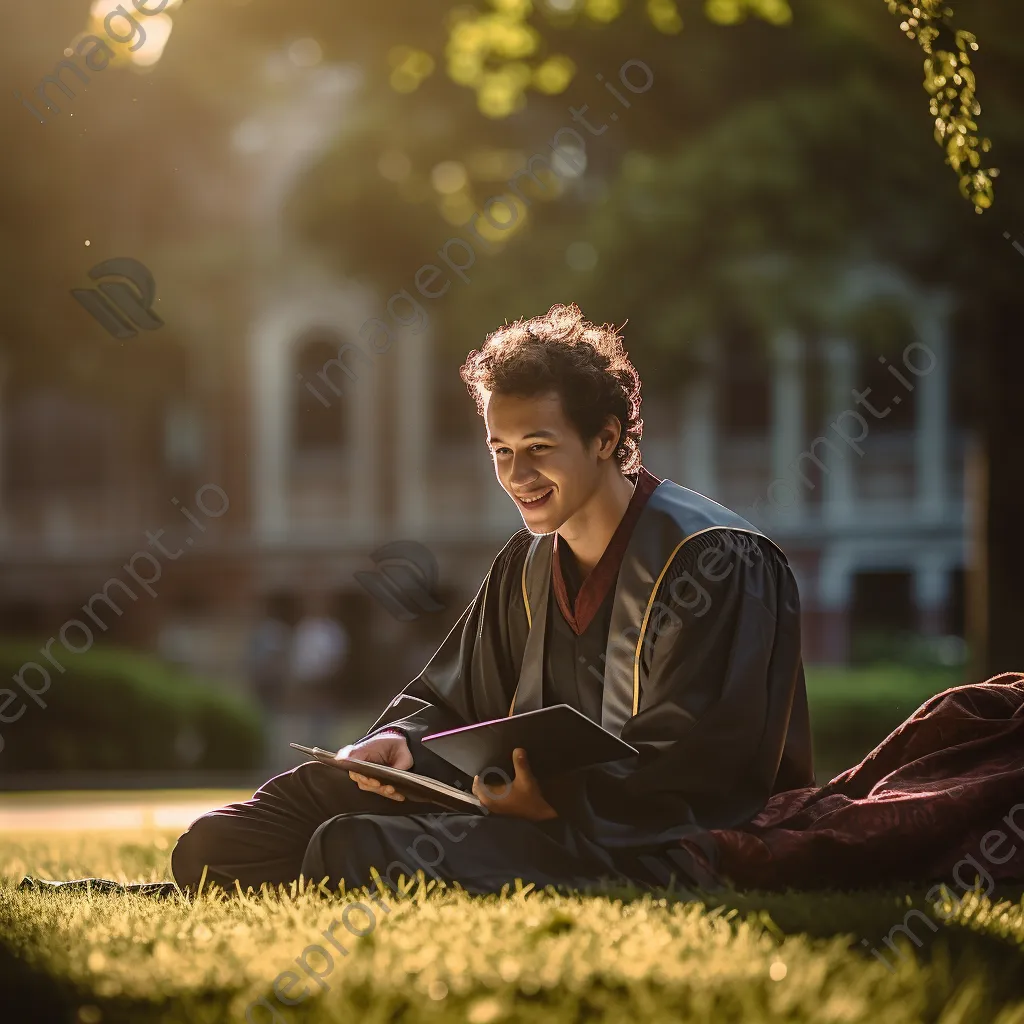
x=522 y=799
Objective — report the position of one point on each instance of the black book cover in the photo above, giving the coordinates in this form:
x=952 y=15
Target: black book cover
x=557 y=739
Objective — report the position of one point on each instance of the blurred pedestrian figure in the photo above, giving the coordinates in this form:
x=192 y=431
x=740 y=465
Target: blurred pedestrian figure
x=269 y=664
x=319 y=649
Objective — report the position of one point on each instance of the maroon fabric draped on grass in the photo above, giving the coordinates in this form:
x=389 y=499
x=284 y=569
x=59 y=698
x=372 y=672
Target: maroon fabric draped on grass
x=919 y=803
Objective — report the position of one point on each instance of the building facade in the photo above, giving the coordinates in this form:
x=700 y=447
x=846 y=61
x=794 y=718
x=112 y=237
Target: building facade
x=269 y=451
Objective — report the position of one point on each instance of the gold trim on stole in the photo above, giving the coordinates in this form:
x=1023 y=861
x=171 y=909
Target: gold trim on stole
x=654 y=594
x=529 y=626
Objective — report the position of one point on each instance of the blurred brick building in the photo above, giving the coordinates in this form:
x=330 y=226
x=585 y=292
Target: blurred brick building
x=321 y=459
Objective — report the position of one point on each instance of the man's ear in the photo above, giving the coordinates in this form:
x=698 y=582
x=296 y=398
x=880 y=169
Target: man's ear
x=608 y=437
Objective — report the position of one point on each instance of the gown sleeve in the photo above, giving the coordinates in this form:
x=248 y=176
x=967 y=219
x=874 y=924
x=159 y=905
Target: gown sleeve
x=721 y=679
x=473 y=674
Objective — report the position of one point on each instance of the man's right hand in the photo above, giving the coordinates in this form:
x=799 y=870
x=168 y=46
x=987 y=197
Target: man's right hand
x=390 y=750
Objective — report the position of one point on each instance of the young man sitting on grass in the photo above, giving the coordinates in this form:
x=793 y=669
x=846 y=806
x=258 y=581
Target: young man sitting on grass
x=648 y=607
x=674 y=624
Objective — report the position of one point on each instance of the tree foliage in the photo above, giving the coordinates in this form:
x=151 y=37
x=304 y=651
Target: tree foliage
x=949 y=81
x=504 y=50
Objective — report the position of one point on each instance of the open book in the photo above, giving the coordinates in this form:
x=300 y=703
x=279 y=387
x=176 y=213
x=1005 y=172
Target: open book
x=409 y=784
x=556 y=739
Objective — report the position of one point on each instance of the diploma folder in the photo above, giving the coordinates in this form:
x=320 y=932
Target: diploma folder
x=556 y=739
x=409 y=784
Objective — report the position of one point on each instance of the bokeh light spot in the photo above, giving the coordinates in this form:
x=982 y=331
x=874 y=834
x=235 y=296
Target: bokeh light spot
x=449 y=176
x=553 y=75
x=603 y=10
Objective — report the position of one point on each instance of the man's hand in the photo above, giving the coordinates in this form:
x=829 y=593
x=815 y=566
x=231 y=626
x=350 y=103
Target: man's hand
x=389 y=750
x=522 y=799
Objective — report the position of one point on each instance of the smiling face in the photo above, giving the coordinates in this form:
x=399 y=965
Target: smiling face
x=542 y=461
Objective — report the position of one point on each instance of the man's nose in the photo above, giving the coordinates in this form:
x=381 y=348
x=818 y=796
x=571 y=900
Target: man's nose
x=522 y=471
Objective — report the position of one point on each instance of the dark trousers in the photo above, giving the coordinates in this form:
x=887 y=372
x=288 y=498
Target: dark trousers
x=314 y=821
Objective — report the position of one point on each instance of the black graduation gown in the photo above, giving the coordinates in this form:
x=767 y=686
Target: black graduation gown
x=701 y=672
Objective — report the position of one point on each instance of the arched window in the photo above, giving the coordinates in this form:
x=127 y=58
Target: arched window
x=322 y=389
x=883 y=329
x=885 y=382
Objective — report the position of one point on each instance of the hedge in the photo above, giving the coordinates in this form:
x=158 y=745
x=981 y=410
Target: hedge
x=117 y=710
x=854 y=709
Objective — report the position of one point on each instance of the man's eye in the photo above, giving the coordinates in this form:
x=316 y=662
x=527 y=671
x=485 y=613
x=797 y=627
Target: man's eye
x=508 y=451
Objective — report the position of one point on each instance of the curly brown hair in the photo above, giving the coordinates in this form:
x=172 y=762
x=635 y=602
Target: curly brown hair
x=560 y=351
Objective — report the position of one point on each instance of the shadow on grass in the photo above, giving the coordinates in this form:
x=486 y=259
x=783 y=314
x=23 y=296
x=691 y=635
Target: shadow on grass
x=968 y=952
x=30 y=995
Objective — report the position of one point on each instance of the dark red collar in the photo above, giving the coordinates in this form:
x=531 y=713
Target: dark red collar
x=595 y=587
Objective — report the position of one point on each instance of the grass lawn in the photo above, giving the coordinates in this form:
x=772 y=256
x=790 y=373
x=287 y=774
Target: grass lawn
x=441 y=956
